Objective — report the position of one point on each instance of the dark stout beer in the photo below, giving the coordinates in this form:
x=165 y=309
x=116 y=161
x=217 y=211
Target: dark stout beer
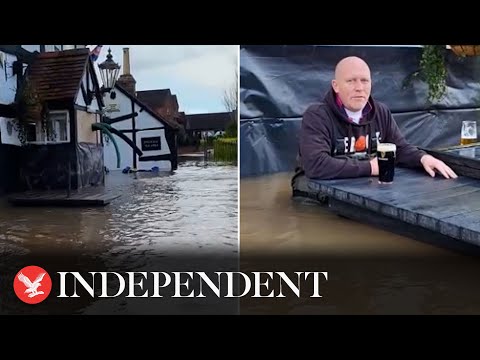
x=386 y=162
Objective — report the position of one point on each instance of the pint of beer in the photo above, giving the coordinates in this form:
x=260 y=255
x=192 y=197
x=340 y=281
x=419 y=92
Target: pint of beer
x=469 y=132
x=386 y=162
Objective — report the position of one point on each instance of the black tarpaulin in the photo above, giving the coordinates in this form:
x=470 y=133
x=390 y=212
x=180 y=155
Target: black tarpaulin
x=278 y=83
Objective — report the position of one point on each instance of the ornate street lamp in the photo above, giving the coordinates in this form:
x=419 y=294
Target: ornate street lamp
x=109 y=70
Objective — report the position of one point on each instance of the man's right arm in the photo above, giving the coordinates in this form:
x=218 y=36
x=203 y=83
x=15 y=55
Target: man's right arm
x=315 y=150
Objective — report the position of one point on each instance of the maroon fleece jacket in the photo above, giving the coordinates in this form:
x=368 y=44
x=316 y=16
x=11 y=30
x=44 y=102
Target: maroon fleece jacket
x=317 y=132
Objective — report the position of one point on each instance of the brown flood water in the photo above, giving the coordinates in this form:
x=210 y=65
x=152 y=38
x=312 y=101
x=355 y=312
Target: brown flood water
x=370 y=271
x=159 y=223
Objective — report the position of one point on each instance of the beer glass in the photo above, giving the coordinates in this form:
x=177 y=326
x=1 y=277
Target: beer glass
x=469 y=132
x=386 y=162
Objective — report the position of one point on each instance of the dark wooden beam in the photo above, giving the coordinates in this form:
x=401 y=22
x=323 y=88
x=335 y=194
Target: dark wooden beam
x=156 y=157
x=139 y=130
x=8 y=111
x=120 y=118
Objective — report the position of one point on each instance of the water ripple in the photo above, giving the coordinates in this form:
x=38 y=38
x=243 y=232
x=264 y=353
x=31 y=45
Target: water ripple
x=192 y=209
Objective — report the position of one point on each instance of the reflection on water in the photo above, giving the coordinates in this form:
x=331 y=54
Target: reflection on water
x=371 y=271
x=192 y=213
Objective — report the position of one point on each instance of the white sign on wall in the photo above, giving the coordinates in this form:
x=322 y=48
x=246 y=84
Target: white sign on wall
x=112 y=108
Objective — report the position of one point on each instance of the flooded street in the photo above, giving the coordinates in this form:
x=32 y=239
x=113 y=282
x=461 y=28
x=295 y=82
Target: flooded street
x=158 y=223
x=370 y=271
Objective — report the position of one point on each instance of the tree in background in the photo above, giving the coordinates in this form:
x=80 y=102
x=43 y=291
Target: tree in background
x=225 y=148
x=230 y=100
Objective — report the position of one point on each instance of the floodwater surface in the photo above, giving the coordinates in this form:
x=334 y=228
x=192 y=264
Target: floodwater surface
x=160 y=222
x=370 y=271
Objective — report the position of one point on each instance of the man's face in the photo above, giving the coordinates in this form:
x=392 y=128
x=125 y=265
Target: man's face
x=353 y=85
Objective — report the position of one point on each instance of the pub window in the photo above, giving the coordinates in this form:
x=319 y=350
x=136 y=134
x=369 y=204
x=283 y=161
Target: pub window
x=55 y=130
x=31 y=131
x=58 y=127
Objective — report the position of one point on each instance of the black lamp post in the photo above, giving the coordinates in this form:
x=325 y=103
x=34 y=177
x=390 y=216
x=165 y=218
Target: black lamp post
x=109 y=70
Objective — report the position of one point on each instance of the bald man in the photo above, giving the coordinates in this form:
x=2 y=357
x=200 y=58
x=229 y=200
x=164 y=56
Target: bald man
x=338 y=137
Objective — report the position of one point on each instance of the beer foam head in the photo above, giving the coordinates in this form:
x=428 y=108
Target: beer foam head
x=385 y=147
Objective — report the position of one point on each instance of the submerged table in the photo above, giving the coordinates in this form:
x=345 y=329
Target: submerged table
x=415 y=205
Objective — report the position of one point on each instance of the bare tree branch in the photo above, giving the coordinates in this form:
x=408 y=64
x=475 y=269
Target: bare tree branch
x=230 y=101
x=230 y=95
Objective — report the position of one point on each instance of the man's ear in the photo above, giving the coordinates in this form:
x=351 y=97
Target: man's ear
x=335 y=85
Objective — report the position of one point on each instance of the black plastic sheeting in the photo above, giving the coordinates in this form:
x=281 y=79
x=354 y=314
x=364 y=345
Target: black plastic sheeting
x=9 y=160
x=45 y=167
x=90 y=165
x=278 y=83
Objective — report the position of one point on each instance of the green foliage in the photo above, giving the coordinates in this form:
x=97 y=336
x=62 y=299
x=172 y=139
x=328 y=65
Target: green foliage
x=31 y=109
x=433 y=70
x=21 y=129
x=208 y=142
x=231 y=130
x=225 y=149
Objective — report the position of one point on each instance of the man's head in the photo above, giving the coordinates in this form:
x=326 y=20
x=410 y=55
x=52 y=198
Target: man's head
x=352 y=82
